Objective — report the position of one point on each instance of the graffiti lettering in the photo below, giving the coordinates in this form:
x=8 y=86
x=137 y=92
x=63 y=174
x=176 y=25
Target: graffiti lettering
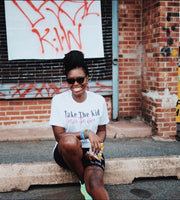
x=44 y=90
x=49 y=89
x=58 y=36
x=166 y=50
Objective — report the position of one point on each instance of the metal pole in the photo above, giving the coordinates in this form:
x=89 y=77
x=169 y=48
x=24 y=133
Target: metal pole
x=115 y=66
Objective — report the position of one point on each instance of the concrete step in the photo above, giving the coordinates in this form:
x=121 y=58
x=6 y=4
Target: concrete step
x=41 y=132
x=118 y=171
x=128 y=128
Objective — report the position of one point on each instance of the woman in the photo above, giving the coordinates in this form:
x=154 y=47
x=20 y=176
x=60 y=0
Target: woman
x=78 y=119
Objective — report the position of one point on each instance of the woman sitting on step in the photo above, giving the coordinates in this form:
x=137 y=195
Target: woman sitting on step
x=78 y=119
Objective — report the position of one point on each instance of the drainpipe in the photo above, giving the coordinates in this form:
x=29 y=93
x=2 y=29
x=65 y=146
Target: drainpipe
x=115 y=66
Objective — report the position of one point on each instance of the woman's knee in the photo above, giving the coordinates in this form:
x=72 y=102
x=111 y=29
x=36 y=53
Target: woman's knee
x=94 y=187
x=68 y=143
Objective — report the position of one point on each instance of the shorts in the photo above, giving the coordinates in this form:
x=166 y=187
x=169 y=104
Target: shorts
x=86 y=162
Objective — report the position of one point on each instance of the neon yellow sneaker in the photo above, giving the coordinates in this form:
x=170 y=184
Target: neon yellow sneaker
x=84 y=192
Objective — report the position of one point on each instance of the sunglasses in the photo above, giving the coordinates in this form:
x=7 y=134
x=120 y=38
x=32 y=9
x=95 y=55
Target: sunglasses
x=79 y=80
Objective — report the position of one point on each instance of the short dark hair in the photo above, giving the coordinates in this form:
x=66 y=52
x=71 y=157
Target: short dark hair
x=74 y=59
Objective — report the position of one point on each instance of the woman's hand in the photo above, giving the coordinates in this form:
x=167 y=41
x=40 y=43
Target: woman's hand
x=95 y=142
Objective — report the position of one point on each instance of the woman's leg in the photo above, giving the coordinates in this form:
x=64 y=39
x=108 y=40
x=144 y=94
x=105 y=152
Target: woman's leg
x=93 y=177
x=70 y=149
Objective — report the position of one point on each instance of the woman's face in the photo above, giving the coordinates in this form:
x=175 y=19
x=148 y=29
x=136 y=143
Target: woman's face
x=77 y=81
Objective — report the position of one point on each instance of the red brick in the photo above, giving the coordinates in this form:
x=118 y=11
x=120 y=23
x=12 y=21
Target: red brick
x=15 y=103
x=17 y=118
x=4 y=118
x=13 y=113
x=40 y=112
x=44 y=117
x=27 y=112
x=2 y=113
x=46 y=107
x=4 y=103
x=45 y=102
x=30 y=103
x=39 y=121
x=20 y=107
x=31 y=117
x=35 y=107
x=10 y=123
x=6 y=108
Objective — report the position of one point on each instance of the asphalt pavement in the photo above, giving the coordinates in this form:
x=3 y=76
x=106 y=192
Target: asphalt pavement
x=141 y=189
x=41 y=151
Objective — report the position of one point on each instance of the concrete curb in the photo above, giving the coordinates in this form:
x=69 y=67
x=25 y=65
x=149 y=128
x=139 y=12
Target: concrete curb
x=21 y=176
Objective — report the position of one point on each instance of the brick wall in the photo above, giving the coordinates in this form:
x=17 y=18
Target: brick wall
x=130 y=58
x=148 y=71
x=21 y=111
x=30 y=112
x=160 y=31
x=148 y=57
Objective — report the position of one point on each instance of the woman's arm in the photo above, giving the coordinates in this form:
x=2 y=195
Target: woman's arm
x=101 y=132
x=60 y=131
x=95 y=139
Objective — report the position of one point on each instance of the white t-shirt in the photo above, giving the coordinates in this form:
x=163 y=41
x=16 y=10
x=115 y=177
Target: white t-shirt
x=76 y=117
